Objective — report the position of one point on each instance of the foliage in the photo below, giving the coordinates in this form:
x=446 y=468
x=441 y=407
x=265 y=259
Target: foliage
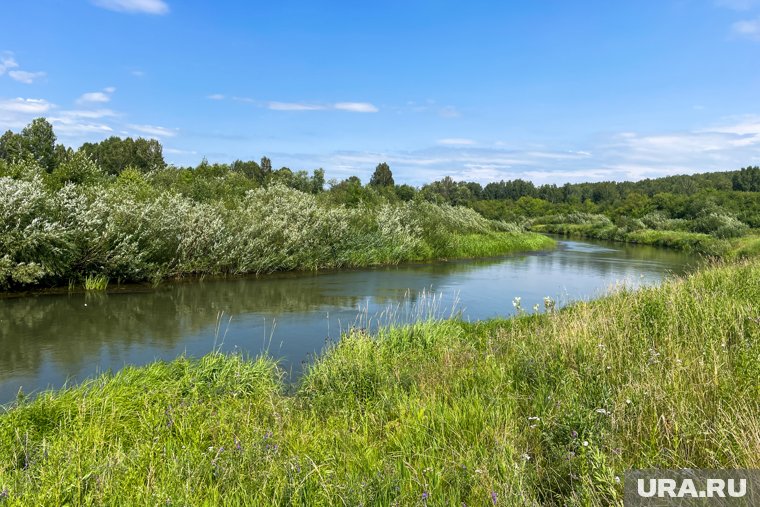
x=130 y=231
x=382 y=177
x=114 y=154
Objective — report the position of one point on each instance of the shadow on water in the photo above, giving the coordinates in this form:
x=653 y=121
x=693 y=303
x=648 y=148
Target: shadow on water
x=49 y=338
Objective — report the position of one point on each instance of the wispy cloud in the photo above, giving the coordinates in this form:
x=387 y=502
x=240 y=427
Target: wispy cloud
x=97 y=97
x=134 y=6
x=293 y=106
x=456 y=141
x=728 y=144
x=9 y=65
x=154 y=131
x=7 y=62
x=25 y=77
x=356 y=107
x=747 y=28
x=89 y=114
x=274 y=105
x=19 y=105
x=17 y=113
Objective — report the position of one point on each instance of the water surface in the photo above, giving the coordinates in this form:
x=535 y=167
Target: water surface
x=48 y=339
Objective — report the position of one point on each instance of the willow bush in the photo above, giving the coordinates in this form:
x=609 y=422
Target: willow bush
x=71 y=225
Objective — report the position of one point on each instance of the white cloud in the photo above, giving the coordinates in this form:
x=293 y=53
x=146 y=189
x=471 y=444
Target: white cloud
x=25 y=77
x=7 y=62
x=71 y=127
x=293 y=106
x=15 y=114
x=134 y=6
x=138 y=73
x=216 y=96
x=9 y=65
x=356 y=107
x=246 y=100
x=97 y=97
x=456 y=141
x=747 y=28
x=175 y=151
x=153 y=130
x=29 y=106
x=89 y=114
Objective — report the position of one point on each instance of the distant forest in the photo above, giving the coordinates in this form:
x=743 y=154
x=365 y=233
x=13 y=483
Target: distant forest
x=503 y=199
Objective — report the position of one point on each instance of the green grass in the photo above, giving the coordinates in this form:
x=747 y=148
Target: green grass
x=96 y=282
x=680 y=240
x=493 y=244
x=543 y=409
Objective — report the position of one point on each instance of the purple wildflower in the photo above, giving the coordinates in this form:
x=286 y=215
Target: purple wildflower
x=425 y=496
x=494 y=497
x=574 y=434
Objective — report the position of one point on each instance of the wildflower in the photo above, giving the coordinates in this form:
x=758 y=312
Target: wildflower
x=516 y=302
x=534 y=418
x=535 y=308
x=628 y=401
x=525 y=456
x=4 y=494
x=494 y=497
x=425 y=496
x=617 y=479
x=574 y=434
x=602 y=411
x=585 y=443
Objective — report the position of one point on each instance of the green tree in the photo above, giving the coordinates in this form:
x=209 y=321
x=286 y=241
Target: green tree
x=12 y=146
x=266 y=167
x=39 y=140
x=114 y=154
x=382 y=177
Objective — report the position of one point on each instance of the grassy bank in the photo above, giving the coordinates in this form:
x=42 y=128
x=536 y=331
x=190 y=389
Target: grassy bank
x=741 y=247
x=545 y=409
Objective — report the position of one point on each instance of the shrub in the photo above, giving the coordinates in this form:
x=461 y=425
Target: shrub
x=718 y=224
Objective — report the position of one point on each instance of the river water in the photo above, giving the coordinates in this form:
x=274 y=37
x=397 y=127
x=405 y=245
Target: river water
x=47 y=340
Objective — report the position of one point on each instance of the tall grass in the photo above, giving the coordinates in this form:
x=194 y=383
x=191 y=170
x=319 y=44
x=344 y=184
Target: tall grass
x=96 y=282
x=546 y=409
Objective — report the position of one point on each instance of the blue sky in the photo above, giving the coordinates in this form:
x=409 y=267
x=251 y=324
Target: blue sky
x=550 y=91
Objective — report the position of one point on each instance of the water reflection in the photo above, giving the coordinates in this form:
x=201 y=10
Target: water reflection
x=47 y=339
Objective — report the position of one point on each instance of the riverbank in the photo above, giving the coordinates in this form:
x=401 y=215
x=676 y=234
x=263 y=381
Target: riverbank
x=540 y=409
x=706 y=244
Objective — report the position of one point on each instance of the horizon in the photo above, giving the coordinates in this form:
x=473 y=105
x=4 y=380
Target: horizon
x=567 y=93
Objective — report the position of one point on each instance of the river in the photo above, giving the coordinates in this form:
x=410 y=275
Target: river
x=48 y=339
